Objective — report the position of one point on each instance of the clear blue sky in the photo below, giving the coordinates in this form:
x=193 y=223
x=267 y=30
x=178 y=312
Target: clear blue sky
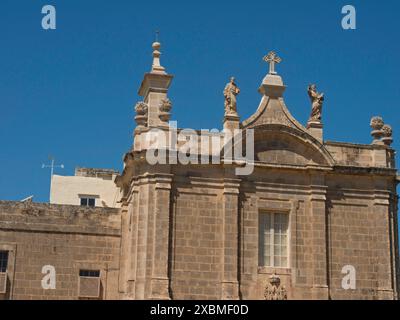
x=71 y=92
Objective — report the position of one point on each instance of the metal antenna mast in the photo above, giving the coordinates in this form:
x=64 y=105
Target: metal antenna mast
x=52 y=166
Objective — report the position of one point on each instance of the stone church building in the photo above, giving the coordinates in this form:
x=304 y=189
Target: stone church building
x=313 y=219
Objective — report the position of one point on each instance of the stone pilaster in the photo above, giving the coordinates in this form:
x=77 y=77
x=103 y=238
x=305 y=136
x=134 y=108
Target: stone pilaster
x=160 y=281
x=125 y=244
x=395 y=242
x=144 y=209
x=383 y=245
x=230 y=207
x=319 y=238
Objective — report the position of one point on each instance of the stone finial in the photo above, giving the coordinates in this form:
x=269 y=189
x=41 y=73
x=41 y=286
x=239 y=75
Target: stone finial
x=376 y=123
x=230 y=92
x=165 y=109
x=141 y=109
x=157 y=68
x=377 y=132
x=272 y=58
x=387 y=134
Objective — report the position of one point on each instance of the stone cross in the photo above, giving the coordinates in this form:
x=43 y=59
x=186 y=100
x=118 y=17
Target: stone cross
x=272 y=58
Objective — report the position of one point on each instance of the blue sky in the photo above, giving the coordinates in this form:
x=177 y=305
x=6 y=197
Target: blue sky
x=70 y=92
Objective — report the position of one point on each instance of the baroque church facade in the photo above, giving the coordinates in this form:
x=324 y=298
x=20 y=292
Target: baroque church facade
x=313 y=220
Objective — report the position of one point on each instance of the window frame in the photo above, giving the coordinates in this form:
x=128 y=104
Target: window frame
x=87 y=198
x=90 y=273
x=261 y=233
x=12 y=249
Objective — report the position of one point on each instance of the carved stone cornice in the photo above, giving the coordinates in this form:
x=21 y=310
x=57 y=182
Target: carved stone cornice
x=231 y=186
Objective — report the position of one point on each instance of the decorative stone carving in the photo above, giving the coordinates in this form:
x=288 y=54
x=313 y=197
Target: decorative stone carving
x=377 y=132
x=387 y=130
x=376 y=123
x=387 y=134
x=141 y=109
x=317 y=99
x=230 y=92
x=165 y=108
x=274 y=290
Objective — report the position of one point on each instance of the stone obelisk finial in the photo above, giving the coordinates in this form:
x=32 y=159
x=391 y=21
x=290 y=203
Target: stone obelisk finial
x=156 y=67
x=154 y=90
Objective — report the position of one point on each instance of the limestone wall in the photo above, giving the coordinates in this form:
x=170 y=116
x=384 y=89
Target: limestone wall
x=69 y=238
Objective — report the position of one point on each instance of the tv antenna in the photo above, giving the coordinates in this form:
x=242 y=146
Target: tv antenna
x=52 y=166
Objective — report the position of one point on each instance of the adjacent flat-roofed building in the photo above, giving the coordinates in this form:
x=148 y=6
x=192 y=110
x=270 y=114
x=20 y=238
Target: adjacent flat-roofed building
x=298 y=218
x=88 y=187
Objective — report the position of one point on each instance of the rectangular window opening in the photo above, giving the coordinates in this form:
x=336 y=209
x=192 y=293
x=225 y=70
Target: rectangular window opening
x=88 y=202
x=273 y=240
x=89 y=273
x=3 y=261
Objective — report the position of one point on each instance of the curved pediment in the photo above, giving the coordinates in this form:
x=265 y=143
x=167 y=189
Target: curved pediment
x=279 y=139
x=272 y=111
x=281 y=145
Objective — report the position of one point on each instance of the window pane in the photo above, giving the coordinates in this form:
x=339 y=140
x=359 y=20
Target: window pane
x=267 y=247
x=265 y=238
x=91 y=202
x=284 y=251
x=277 y=261
x=84 y=202
x=3 y=261
x=281 y=222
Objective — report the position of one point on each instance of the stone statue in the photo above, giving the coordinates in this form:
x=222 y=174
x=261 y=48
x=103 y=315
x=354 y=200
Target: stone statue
x=317 y=100
x=230 y=92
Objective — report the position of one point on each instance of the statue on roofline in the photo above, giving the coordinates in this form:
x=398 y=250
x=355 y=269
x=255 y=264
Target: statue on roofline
x=317 y=100
x=230 y=92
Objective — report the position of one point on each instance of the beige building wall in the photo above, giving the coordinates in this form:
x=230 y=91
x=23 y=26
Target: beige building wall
x=70 y=189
